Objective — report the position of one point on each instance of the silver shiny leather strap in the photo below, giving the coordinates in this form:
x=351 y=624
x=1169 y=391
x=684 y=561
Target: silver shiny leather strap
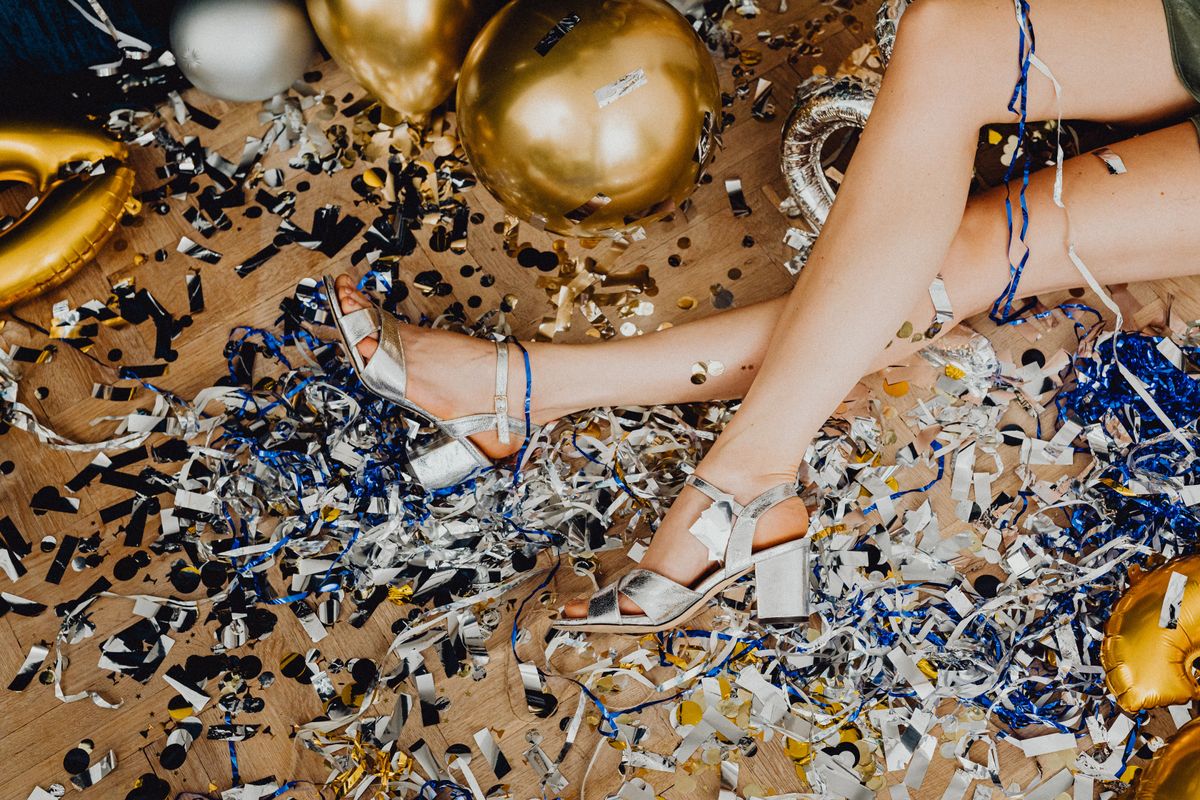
x=460 y=427
x=385 y=372
x=603 y=607
x=659 y=597
x=740 y=550
x=501 y=397
x=713 y=493
x=358 y=325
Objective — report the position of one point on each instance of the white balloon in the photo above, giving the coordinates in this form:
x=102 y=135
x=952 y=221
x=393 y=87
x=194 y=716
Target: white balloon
x=242 y=49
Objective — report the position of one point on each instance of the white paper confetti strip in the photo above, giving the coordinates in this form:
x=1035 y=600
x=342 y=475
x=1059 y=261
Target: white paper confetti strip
x=612 y=92
x=1168 y=616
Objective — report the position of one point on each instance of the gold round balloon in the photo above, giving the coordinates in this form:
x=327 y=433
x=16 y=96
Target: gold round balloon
x=588 y=118
x=72 y=218
x=1172 y=773
x=1149 y=666
x=407 y=53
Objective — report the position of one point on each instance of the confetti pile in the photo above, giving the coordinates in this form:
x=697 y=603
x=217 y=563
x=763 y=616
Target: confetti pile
x=284 y=491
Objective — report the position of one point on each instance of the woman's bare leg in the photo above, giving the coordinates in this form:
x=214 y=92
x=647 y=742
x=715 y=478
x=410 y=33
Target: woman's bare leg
x=897 y=214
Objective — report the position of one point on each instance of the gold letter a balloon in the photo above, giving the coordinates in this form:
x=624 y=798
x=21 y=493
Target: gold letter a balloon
x=1148 y=666
x=72 y=219
x=405 y=52
x=588 y=118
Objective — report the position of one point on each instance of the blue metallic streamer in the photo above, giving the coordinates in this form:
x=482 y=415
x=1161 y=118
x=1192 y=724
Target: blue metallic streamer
x=1002 y=311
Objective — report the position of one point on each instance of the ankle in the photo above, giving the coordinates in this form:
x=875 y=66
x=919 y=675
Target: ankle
x=743 y=475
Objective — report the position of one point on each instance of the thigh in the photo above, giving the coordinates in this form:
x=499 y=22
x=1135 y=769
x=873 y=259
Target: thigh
x=1136 y=226
x=1111 y=57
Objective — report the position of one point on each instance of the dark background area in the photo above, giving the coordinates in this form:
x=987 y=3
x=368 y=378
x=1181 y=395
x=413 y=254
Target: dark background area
x=46 y=47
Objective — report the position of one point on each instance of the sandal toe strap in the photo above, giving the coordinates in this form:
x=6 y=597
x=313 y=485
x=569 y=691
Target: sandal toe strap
x=659 y=597
x=358 y=325
x=604 y=606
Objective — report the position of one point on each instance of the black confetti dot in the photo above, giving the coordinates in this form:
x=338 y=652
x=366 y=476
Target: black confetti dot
x=303 y=186
x=364 y=671
x=1033 y=356
x=987 y=585
x=254 y=212
x=212 y=574
x=7 y=467
x=161 y=255
x=126 y=568
x=115 y=354
x=466 y=270
x=185 y=580
x=1012 y=434
x=49 y=543
x=734 y=274
x=292 y=666
x=747 y=241
x=474 y=301
x=522 y=561
x=249 y=667
x=487 y=280
x=149 y=787
x=844 y=749
x=172 y=756
x=477 y=218
x=76 y=760
x=42 y=392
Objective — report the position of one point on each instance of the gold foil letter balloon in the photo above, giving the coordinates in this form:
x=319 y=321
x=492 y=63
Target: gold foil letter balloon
x=591 y=117
x=1147 y=665
x=1173 y=773
x=407 y=53
x=72 y=218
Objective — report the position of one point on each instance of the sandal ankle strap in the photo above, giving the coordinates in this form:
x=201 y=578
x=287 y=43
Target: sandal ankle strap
x=743 y=519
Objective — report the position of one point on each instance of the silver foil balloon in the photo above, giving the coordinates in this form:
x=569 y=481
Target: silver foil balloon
x=242 y=50
x=886 y=21
x=823 y=107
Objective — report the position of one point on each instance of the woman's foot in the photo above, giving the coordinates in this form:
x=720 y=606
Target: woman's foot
x=452 y=375
x=677 y=554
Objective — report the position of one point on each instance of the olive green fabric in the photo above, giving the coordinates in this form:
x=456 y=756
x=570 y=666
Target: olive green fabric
x=1183 y=26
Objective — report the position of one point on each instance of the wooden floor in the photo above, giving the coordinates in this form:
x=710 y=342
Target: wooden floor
x=36 y=730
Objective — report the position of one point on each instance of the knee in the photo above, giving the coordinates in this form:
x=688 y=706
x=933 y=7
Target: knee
x=929 y=26
x=940 y=47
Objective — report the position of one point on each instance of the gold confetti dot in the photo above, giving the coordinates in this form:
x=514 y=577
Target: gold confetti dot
x=905 y=331
x=690 y=712
x=687 y=302
x=897 y=389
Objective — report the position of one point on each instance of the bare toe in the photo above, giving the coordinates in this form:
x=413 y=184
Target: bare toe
x=350 y=299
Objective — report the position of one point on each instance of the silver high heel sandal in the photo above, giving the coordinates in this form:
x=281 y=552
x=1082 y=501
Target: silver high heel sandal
x=450 y=458
x=782 y=574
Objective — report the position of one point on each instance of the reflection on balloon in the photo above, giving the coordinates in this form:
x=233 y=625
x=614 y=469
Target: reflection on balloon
x=72 y=218
x=589 y=118
x=407 y=53
x=242 y=50
x=1172 y=773
x=1148 y=665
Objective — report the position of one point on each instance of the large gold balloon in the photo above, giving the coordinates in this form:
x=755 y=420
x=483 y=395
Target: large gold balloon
x=1149 y=666
x=72 y=218
x=407 y=53
x=588 y=118
x=1173 y=774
